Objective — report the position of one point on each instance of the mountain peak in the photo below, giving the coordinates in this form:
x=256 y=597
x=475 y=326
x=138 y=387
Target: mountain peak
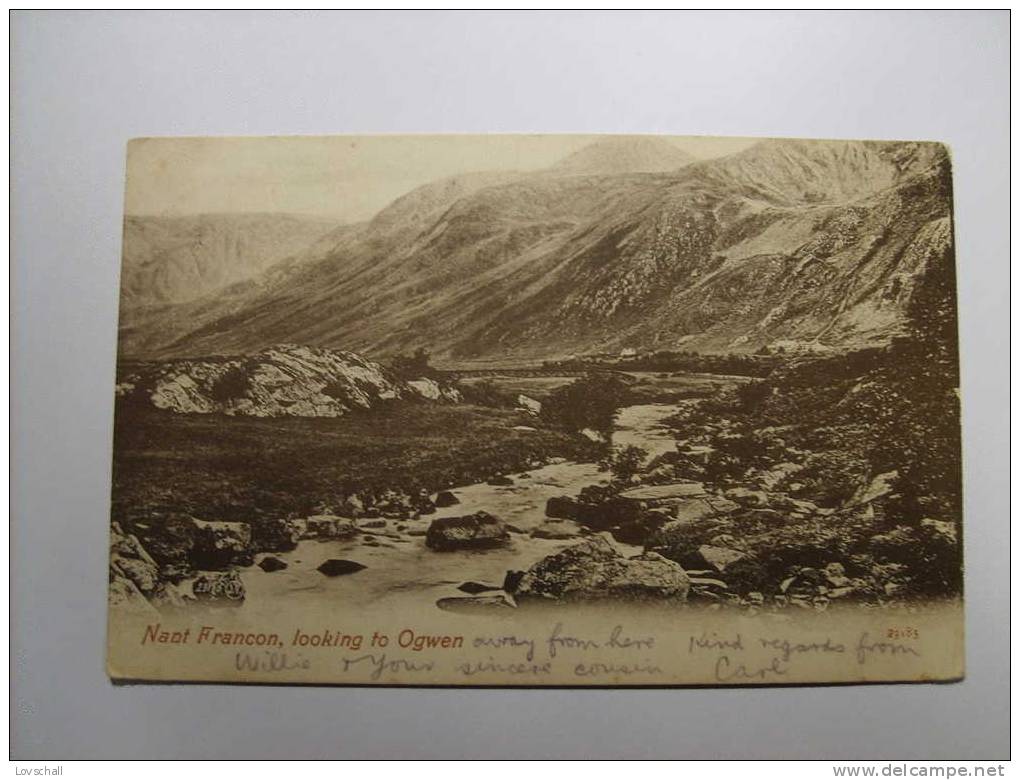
x=625 y=154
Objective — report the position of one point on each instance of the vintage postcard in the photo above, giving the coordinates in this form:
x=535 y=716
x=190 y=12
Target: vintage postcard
x=537 y=410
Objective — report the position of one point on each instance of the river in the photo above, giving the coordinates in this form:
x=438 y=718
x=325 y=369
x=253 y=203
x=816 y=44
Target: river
x=401 y=570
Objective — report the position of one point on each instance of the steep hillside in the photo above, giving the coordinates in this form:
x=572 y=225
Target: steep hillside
x=805 y=244
x=178 y=259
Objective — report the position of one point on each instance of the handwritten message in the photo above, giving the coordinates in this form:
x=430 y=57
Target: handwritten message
x=557 y=653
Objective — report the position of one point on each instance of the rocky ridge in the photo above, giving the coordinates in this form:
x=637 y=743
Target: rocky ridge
x=285 y=380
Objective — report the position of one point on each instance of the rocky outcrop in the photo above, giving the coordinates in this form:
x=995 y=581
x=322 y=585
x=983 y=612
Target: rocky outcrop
x=595 y=571
x=471 y=532
x=285 y=380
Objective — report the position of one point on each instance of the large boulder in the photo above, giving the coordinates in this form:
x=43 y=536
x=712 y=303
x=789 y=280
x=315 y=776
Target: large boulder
x=595 y=571
x=218 y=545
x=470 y=532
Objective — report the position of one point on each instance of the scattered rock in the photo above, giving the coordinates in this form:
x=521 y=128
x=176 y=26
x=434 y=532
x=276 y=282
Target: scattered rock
x=432 y=390
x=529 y=404
x=717 y=558
x=678 y=540
x=660 y=492
x=769 y=479
x=218 y=586
x=476 y=587
x=329 y=527
x=511 y=580
x=478 y=531
x=476 y=604
x=708 y=582
x=747 y=497
x=637 y=529
x=374 y=524
x=270 y=564
x=276 y=535
x=446 y=498
x=142 y=574
x=881 y=485
x=353 y=506
x=218 y=545
x=945 y=529
x=125 y=595
x=335 y=567
x=555 y=530
x=500 y=481
x=563 y=507
x=835 y=575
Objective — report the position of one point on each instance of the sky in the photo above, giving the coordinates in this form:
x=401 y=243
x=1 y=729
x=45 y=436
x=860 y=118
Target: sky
x=347 y=178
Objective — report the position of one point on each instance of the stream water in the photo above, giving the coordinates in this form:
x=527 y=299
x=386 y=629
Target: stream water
x=401 y=570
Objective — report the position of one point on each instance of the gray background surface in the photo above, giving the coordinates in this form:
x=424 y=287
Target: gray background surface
x=83 y=83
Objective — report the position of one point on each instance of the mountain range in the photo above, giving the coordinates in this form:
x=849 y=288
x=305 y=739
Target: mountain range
x=626 y=243
x=177 y=259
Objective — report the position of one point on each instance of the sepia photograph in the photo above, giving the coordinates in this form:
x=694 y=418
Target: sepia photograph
x=537 y=410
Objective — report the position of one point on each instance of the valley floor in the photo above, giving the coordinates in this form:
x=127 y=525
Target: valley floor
x=238 y=468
